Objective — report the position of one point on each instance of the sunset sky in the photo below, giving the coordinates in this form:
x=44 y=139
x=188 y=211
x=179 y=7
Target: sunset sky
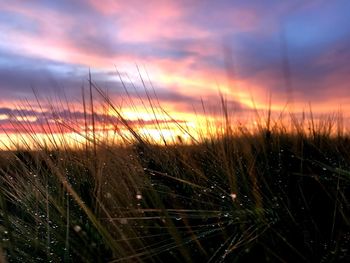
x=296 y=51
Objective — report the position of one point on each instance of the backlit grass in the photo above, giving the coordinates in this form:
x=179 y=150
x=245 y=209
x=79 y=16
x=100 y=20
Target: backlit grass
x=279 y=193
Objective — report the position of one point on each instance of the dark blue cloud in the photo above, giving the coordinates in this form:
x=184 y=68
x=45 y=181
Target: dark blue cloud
x=20 y=75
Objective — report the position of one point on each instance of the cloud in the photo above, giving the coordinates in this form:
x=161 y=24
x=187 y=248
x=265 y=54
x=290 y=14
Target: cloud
x=19 y=76
x=49 y=45
x=36 y=121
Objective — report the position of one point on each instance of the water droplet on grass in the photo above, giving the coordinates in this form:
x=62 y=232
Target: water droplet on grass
x=233 y=196
x=123 y=221
x=77 y=228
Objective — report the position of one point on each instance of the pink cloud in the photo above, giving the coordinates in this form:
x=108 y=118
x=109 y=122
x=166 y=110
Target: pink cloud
x=150 y=21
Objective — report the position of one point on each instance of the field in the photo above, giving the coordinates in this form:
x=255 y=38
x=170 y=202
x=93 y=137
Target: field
x=269 y=195
x=174 y=131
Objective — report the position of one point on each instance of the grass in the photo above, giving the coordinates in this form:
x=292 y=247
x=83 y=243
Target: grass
x=277 y=194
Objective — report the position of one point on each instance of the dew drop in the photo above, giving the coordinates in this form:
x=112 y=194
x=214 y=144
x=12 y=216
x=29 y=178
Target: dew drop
x=233 y=196
x=77 y=228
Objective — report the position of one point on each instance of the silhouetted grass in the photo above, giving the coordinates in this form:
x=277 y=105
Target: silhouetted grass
x=271 y=195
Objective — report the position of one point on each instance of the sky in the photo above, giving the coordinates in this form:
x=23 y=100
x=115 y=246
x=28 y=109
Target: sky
x=296 y=52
